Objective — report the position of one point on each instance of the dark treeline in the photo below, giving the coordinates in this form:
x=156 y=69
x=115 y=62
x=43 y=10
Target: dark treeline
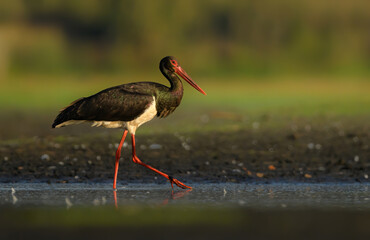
x=247 y=37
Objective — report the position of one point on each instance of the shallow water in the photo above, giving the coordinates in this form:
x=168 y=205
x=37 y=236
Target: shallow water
x=258 y=196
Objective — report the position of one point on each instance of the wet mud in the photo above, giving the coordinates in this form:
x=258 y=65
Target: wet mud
x=302 y=151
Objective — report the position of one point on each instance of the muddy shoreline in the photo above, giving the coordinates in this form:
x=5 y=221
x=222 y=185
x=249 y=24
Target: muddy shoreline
x=306 y=153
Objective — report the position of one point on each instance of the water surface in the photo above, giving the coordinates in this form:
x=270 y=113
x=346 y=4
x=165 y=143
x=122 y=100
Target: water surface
x=258 y=196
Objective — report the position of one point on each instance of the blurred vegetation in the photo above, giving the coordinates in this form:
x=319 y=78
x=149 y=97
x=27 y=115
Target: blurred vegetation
x=210 y=37
x=307 y=96
x=287 y=57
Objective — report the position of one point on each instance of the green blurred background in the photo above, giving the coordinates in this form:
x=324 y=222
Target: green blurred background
x=294 y=57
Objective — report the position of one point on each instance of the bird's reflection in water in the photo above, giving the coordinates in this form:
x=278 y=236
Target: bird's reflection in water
x=173 y=196
x=115 y=197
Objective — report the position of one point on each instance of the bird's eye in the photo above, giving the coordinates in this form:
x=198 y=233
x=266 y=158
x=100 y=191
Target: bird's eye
x=174 y=63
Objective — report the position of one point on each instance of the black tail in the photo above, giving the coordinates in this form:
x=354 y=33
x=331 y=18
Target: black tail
x=61 y=118
x=68 y=113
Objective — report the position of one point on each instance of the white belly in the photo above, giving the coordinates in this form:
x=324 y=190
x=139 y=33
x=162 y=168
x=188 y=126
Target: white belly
x=148 y=115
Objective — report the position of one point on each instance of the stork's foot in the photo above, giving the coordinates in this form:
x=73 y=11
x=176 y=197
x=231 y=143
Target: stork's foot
x=178 y=183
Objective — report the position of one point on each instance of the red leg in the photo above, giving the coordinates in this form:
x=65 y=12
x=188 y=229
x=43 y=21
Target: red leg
x=135 y=159
x=115 y=198
x=118 y=155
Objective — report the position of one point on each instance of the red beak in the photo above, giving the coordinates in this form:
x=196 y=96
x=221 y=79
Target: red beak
x=181 y=72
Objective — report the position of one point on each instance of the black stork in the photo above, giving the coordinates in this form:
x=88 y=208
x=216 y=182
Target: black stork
x=130 y=105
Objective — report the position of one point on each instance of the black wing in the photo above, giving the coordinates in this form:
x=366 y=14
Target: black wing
x=121 y=103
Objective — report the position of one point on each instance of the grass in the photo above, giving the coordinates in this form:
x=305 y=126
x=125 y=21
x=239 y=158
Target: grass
x=306 y=96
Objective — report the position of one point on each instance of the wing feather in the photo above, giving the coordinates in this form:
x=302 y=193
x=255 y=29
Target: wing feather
x=121 y=103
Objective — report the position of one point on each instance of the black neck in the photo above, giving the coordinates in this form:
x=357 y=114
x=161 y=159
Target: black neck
x=174 y=80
